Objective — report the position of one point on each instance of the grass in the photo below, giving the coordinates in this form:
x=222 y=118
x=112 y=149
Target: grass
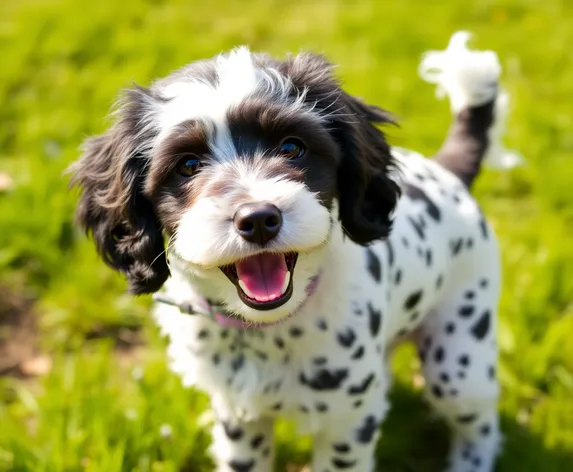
x=102 y=407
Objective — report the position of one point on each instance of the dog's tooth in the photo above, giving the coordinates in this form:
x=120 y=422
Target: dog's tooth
x=246 y=290
x=285 y=283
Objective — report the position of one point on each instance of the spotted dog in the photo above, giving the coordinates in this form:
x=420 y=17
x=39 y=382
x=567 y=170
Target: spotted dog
x=258 y=195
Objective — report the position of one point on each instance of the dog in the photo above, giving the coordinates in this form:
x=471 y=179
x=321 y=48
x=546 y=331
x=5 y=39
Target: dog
x=290 y=246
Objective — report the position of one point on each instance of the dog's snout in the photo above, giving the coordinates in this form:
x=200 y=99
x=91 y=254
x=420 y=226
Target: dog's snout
x=258 y=222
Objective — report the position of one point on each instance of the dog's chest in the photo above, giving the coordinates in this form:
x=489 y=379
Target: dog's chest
x=303 y=367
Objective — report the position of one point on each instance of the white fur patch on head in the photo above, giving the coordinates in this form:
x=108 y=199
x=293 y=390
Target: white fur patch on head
x=198 y=98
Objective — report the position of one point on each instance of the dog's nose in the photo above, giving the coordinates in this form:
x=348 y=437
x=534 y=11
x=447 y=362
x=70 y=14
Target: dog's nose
x=258 y=222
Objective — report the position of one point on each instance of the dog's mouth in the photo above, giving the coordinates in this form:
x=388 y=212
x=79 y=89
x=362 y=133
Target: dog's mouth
x=264 y=281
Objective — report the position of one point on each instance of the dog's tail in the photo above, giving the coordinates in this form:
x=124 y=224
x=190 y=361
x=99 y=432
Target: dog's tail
x=470 y=79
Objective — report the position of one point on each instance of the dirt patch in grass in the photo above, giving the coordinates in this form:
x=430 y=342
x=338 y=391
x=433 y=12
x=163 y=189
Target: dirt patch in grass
x=19 y=352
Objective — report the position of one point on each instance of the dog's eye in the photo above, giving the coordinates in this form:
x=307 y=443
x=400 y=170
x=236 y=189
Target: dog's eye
x=292 y=148
x=188 y=166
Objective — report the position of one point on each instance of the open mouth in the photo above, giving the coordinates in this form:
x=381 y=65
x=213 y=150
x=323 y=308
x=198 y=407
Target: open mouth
x=263 y=281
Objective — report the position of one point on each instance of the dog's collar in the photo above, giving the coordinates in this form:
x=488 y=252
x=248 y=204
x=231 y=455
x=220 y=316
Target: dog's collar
x=211 y=309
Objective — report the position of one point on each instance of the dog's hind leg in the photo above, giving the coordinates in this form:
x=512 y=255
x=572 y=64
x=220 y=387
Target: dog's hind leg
x=243 y=446
x=457 y=348
x=470 y=79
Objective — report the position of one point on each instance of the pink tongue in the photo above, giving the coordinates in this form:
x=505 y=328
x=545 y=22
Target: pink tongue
x=262 y=276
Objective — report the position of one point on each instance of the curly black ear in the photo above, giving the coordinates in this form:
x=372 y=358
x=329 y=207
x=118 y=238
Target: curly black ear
x=112 y=207
x=366 y=193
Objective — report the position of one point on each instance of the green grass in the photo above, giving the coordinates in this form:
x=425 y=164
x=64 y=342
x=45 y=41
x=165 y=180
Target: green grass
x=62 y=63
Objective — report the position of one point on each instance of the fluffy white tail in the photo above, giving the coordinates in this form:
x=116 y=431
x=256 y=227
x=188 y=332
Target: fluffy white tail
x=471 y=79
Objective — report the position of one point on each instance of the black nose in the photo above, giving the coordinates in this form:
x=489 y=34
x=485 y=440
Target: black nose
x=258 y=222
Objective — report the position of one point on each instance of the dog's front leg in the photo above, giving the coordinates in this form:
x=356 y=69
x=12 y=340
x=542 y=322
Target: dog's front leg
x=348 y=444
x=243 y=446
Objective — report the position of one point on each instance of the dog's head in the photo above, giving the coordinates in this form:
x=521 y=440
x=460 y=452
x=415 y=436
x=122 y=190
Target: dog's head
x=241 y=165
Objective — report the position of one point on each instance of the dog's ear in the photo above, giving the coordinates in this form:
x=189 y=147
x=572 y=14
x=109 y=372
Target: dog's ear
x=366 y=193
x=112 y=206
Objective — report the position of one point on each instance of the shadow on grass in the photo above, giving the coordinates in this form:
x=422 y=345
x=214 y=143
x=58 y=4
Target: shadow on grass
x=415 y=440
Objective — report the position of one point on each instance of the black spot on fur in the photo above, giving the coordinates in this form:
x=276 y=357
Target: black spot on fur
x=279 y=343
x=319 y=360
x=321 y=407
x=216 y=358
x=414 y=316
x=238 y=362
x=413 y=300
x=257 y=441
x=464 y=360
x=405 y=242
x=439 y=354
x=321 y=324
x=366 y=431
x=418 y=227
x=491 y=372
x=241 y=466
x=398 y=277
x=358 y=353
x=342 y=464
x=343 y=448
x=483 y=283
x=481 y=328
x=466 y=311
x=450 y=328
x=357 y=404
x=439 y=281
x=295 y=332
x=390 y=253
x=483 y=226
x=485 y=430
x=444 y=377
x=461 y=375
x=456 y=246
x=437 y=391
x=324 y=379
x=465 y=419
x=375 y=319
x=469 y=295
x=373 y=265
x=469 y=243
x=428 y=257
x=362 y=387
x=277 y=406
x=203 y=334
x=346 y=338
x=233 y=433
x=416 y=193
